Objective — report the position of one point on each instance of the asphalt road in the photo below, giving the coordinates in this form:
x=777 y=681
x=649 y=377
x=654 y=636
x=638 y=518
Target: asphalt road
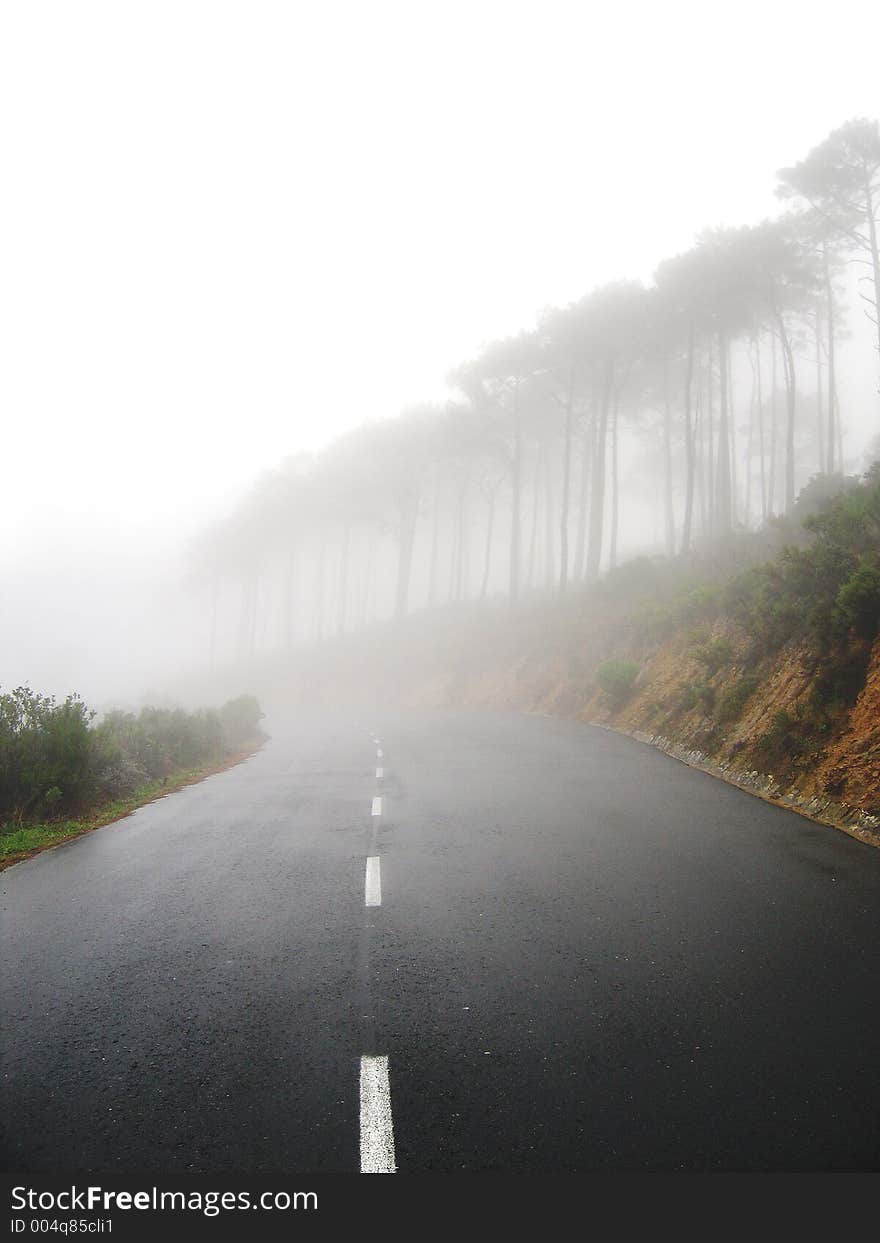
x=586 y=957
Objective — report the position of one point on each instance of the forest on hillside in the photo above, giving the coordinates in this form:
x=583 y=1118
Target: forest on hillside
x=692 y=407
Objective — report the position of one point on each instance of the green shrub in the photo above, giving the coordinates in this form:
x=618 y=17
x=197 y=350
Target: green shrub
x=698 y=694
x=53 y=762
x=117 y=772
x=787 y=739
x=617 y=678
x=240 y=720
x=714 y=654
x=45 y=749
x=654 y=620
x=857 y=603
x=683 y=605
x=842 y=676
x=157 y=741
x=736 y=697
x=700 y=602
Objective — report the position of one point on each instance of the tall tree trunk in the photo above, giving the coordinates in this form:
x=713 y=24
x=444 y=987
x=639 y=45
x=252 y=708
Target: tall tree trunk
x=487 y=560
x=875 y=260
x=533 y=538
x=342 y=602
x=461 y=568
x=264 y=617
x=243 y=619
x=615 y=482
x=750 y=449
x=215 y=593
x=319 y=588
x=368 y=579
x=790 y=407
x=566 y=483
x=820 y=414
x=700 y=467
x=515 y=534
x=597 y=490
x=435 y=547
x=455 y=552
x=710 y=441
x=548 y=518
x=829 y=315
x=760 y=387
x=254 y=602
x=408 y=512
x=690 y=456
x=668 y=511
x=586 y=462
x=723 y=509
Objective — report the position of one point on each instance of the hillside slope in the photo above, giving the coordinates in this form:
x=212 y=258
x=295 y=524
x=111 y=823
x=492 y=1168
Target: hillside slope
x=757 y=659
x=769 y=678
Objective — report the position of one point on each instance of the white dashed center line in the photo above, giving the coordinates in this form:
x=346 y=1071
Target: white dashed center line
x=373 y=882
x=377 y=1129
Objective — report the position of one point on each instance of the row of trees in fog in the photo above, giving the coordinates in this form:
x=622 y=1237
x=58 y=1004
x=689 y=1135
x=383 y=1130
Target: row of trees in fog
x=719 y=381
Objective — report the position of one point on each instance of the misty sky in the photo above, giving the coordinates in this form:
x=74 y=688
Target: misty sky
x=234 y=229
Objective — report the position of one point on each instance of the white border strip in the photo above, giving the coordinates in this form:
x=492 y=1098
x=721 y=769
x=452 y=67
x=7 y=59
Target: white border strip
x=373 y=882
x=377 y=1129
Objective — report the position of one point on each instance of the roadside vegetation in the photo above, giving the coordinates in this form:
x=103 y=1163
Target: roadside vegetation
x=62 y=774
x=763 y=665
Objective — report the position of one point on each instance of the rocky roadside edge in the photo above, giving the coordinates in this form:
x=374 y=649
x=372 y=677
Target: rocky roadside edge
x=857 y=823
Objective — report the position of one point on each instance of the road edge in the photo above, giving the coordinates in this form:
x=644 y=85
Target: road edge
x=827 y=813
x=174 y=784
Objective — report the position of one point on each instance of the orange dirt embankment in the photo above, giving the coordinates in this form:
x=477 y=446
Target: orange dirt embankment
x=831 y=774
x=769 y=727
x=851 y=764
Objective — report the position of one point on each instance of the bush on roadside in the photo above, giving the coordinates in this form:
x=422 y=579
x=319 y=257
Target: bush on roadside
x=791 y=736
x=857 y=603
x=45 y=750
x=240 y=720
x=617 y=679
x=54 y=762
x=823 y=591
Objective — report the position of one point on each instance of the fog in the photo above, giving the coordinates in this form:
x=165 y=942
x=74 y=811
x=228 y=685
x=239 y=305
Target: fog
x=236 y=234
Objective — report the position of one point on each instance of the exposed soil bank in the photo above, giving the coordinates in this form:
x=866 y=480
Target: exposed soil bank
x=753 y=729
x=771 y=727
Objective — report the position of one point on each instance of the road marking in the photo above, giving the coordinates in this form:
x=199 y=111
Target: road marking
x=373 y=882
x=377 y=1129
x=379 y=754
x=380 y=773
x=377 y=806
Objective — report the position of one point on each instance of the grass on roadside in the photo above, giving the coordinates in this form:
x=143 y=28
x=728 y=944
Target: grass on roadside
x=17 y=843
